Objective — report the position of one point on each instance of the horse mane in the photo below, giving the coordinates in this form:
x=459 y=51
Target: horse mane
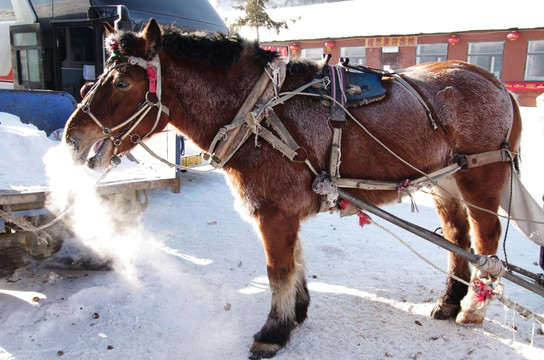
x=209 y=48
x=303 y=66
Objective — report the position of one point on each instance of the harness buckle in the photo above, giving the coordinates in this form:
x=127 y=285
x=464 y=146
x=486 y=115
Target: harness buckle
x=85 y=108
x=132 y=136
x=326 y=82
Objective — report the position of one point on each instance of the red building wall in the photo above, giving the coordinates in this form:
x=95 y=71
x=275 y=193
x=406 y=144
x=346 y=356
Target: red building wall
x=514 y=55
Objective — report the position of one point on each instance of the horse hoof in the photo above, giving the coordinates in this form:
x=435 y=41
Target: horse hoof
x=443 y=311
x=470 y=318
x=263 y=351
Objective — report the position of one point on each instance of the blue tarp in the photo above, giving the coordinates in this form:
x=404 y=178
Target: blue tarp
x=46 y=109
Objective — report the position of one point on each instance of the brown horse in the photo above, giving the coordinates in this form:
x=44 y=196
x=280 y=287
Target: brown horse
x=206 y=79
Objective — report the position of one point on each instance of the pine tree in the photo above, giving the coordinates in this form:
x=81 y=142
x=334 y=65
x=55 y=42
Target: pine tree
x=256 y=16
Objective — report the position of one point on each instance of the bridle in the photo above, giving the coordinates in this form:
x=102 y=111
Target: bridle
x=153 y=68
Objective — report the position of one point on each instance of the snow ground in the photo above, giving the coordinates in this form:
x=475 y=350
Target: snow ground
x=190 y=282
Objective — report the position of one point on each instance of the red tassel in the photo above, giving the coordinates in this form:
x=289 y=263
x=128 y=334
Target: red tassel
x=152 y=75
x=483 y=291
x=364 y=219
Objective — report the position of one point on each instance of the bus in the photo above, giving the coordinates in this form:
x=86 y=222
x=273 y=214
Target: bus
x=59 y=44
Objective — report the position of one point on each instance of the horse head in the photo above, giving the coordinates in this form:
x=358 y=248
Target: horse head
x=124 y=105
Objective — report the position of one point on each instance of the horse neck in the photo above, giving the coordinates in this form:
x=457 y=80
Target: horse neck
x=205 y=97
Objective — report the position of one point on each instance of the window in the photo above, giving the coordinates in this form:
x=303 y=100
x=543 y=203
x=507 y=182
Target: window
x=355 y=54
x=431 y=52
x=312 y=53
x=534 y=66
x=25 y=41
x=390 y=59
x=29 y=61
x=80 y=50
x=487 y=55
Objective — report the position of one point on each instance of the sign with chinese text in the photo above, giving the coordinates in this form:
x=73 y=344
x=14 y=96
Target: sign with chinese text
x=391 y=41
x=531 y=85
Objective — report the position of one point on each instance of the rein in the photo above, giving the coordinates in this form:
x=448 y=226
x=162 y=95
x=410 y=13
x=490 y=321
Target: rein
x=153 y=68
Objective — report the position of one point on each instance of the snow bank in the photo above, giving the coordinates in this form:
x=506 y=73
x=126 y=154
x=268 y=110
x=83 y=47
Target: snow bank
x=22 y=147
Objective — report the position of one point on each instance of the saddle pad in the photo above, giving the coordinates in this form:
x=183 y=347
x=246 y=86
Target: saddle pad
x=371 y=88
x=369 y=83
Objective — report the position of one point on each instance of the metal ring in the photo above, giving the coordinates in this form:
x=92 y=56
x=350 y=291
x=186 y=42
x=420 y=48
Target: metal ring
x=134 y=136
x=149 y=101
x=106 y=131
x=117 y=142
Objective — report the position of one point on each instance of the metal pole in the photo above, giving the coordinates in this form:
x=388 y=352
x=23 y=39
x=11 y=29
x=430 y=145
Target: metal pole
x=434 y=238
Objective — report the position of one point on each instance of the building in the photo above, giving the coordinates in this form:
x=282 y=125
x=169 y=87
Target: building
x=506 y=39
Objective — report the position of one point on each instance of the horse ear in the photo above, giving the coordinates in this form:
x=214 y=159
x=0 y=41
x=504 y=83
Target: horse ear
x=152 y=36
x=85 y=88
x=108 y=29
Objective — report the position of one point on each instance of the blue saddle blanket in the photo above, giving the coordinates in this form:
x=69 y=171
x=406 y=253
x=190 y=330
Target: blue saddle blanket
x=360 y=87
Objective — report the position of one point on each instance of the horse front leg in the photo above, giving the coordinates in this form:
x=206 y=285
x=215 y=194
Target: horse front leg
x=287 y=277
x=456 y=229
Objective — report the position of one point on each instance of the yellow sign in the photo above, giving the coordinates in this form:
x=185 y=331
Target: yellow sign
x=391 y=41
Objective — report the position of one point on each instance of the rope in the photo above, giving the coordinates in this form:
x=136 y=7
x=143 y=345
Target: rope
x=509 y=209
x=43 y=237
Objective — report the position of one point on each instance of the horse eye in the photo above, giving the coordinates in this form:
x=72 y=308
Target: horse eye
x=122 y=85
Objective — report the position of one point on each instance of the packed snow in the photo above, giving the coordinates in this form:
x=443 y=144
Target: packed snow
x=189 y=278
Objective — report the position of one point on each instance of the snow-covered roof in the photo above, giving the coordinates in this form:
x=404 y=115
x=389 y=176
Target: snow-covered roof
x=400 y=17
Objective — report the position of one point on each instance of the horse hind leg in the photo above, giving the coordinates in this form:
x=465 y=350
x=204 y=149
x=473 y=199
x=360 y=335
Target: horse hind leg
x=287 y=277
x=482 y=187
x=456 y=229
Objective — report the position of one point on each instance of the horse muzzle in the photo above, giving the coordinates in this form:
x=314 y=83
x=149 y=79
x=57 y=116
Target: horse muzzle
x=95 y=154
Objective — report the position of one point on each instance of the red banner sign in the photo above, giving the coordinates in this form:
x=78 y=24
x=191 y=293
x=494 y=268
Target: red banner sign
x=531 y=85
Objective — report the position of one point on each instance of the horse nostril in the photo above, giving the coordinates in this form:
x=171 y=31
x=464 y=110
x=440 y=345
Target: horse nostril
x=71 y=142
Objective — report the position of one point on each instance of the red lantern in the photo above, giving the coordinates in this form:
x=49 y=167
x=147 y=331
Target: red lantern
x=283 y=51
x=294 y=48
x=513 y=35
x=453 y=40
x=329 y=45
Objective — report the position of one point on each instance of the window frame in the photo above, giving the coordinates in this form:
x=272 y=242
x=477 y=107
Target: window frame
x=353 y=60
x=531 y=54
x=492 y=56
x=313 y=57
x=436 y=56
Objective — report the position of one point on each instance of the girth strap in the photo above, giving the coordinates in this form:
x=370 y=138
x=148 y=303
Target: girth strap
x=488 y=157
